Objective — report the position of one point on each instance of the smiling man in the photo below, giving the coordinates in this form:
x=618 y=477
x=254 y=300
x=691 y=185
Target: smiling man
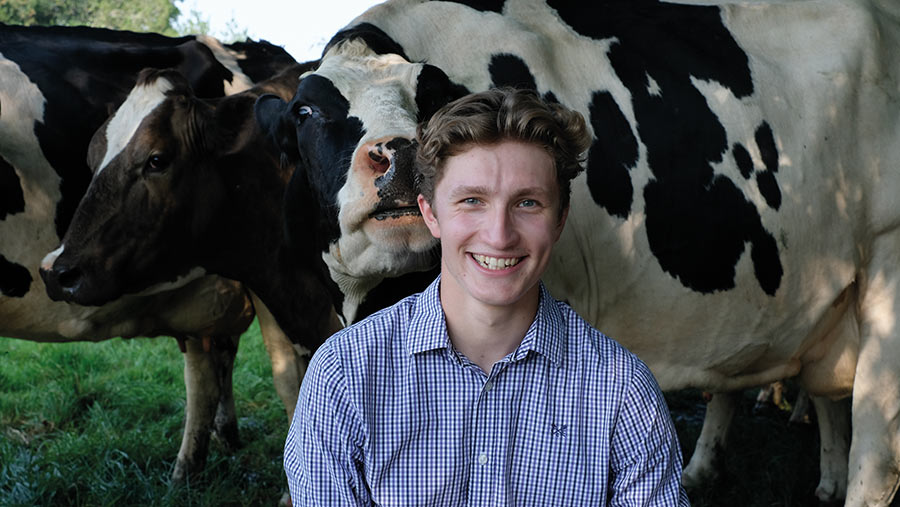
x=483 y=389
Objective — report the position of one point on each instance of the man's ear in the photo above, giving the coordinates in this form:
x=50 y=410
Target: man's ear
x=430 y=218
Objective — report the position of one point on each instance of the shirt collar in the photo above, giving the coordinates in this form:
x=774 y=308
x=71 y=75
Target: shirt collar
x=545 y=336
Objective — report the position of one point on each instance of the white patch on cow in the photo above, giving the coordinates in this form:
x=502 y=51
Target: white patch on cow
x=138 y=105
x=27 y=236
x=179 y=282
x=653 y=87
x=229 y=59
x=50 y=258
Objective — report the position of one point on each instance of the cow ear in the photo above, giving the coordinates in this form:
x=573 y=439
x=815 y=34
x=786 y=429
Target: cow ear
x=271 y=115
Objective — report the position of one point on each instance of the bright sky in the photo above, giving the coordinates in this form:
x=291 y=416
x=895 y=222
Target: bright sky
x=301 y=26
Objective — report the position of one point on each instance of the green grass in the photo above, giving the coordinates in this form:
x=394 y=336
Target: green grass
x=100 y=424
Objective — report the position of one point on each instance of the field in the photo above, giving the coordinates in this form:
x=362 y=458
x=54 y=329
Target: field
x=100 y=424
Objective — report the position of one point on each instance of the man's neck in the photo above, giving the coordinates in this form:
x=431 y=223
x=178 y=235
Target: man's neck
x=486 y=334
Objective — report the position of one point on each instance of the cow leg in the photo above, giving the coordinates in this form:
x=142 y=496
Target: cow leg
x=719 y=412
x=223 y=354
x=834 y=443
x=202 y=387
x=289 y=360
x=288 y=366
x=875 y=440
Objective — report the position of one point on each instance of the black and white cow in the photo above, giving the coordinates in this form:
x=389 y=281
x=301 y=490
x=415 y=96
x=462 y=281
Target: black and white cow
x=735 y=224
x=57 y=85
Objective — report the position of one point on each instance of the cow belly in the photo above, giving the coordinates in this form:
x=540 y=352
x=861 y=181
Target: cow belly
x=208 y=305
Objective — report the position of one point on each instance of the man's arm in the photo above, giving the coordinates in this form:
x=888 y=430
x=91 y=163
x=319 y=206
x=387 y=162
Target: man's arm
x=323 y=453
x=646 y=458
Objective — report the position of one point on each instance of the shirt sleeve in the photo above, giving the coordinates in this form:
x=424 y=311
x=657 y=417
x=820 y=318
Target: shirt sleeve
x=645 y=456
x=323 y=457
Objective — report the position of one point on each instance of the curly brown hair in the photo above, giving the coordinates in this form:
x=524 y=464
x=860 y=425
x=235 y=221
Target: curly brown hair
x=497 y=115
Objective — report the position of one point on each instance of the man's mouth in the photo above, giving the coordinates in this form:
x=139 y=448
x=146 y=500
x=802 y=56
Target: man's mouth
x=496 y=263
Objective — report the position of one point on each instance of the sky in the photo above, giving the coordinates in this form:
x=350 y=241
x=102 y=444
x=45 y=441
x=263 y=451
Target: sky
x=301 y=26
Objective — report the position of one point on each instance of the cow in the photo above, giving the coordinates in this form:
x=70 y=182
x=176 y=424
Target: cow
x=735 y=223
x=57 y=85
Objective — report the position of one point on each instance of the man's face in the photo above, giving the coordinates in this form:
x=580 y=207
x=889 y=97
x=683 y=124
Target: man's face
x=496 y=212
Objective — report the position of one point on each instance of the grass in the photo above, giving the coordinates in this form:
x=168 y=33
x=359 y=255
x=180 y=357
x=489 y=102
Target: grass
x=100 y=424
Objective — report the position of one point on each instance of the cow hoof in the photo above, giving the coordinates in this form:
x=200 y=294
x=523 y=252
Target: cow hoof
x=828 y=493
x=227 y=437
x=180 y=472
x=695 y=476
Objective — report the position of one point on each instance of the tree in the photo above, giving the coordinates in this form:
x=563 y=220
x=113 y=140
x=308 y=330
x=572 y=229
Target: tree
x=137 y=15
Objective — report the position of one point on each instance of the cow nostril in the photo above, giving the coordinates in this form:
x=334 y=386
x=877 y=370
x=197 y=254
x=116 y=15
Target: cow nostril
x=378 y=162
x=68 y=278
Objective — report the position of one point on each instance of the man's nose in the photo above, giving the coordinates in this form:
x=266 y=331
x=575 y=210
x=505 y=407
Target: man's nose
x=501 y=230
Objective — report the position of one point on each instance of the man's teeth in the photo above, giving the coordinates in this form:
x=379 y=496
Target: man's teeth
x=495 y=262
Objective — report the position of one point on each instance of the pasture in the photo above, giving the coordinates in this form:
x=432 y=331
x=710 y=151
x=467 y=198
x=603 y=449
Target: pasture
x=100 y=424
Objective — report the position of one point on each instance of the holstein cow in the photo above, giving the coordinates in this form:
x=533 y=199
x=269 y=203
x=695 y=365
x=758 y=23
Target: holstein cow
x=736 y=222
x=57 y=85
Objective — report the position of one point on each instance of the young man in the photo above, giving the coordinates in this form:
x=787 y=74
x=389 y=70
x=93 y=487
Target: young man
x=483 y=389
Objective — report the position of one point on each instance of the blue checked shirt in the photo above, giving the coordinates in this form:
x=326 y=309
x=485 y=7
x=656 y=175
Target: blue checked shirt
x=391 y=414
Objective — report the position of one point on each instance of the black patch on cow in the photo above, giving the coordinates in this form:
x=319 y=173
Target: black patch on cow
x=484 y=5
x=742 y=159
x=510 y=70
x=260 y=58
x=698 y=223
x=391 y=290
x=612 y=155
x=768 y=187
x=550 y=98
x=765 y=180
x=377 y=40
x=326 y=141
x=15 y=280
x=765 y=141
x=433 y=90
x=12 y=199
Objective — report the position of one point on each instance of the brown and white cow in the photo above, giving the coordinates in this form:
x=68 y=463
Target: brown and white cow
x=57 y=85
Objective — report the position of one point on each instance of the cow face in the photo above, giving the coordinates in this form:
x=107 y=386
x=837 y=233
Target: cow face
x=139 y=211
x=350 y=127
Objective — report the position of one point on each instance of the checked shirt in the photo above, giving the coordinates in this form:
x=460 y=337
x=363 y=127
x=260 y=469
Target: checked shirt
x=391 y=414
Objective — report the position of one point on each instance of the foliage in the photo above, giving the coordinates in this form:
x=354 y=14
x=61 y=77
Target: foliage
x=136 y=15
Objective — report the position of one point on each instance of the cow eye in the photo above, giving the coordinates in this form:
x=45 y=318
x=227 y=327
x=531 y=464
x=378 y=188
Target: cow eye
x=302 y=112
x=155 y=164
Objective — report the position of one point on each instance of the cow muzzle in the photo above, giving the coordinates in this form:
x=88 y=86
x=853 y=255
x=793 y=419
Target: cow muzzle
x=67 y=282
x=393 y=164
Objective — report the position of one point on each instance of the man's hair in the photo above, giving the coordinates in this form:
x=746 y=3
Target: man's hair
x=497 y=115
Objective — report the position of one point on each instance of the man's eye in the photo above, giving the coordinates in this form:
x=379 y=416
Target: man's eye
x=470 y=200
x=528 y=203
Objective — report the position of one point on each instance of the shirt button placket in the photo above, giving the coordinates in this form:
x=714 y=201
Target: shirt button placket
x=480 y=482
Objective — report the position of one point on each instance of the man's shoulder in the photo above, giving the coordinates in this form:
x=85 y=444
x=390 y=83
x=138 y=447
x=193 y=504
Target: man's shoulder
x=591 y=344
x=376 y=327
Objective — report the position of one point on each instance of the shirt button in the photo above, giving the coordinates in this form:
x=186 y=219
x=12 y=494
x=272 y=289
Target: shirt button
x=488 y=386
x=482 y=459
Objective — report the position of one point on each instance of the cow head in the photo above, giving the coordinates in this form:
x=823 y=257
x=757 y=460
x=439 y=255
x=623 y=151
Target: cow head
x=135 y=199
x=350 y=128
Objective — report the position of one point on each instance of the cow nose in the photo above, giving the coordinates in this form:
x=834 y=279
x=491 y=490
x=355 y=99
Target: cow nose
x=394 y=163
x=61 y=281
x=379 y=160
